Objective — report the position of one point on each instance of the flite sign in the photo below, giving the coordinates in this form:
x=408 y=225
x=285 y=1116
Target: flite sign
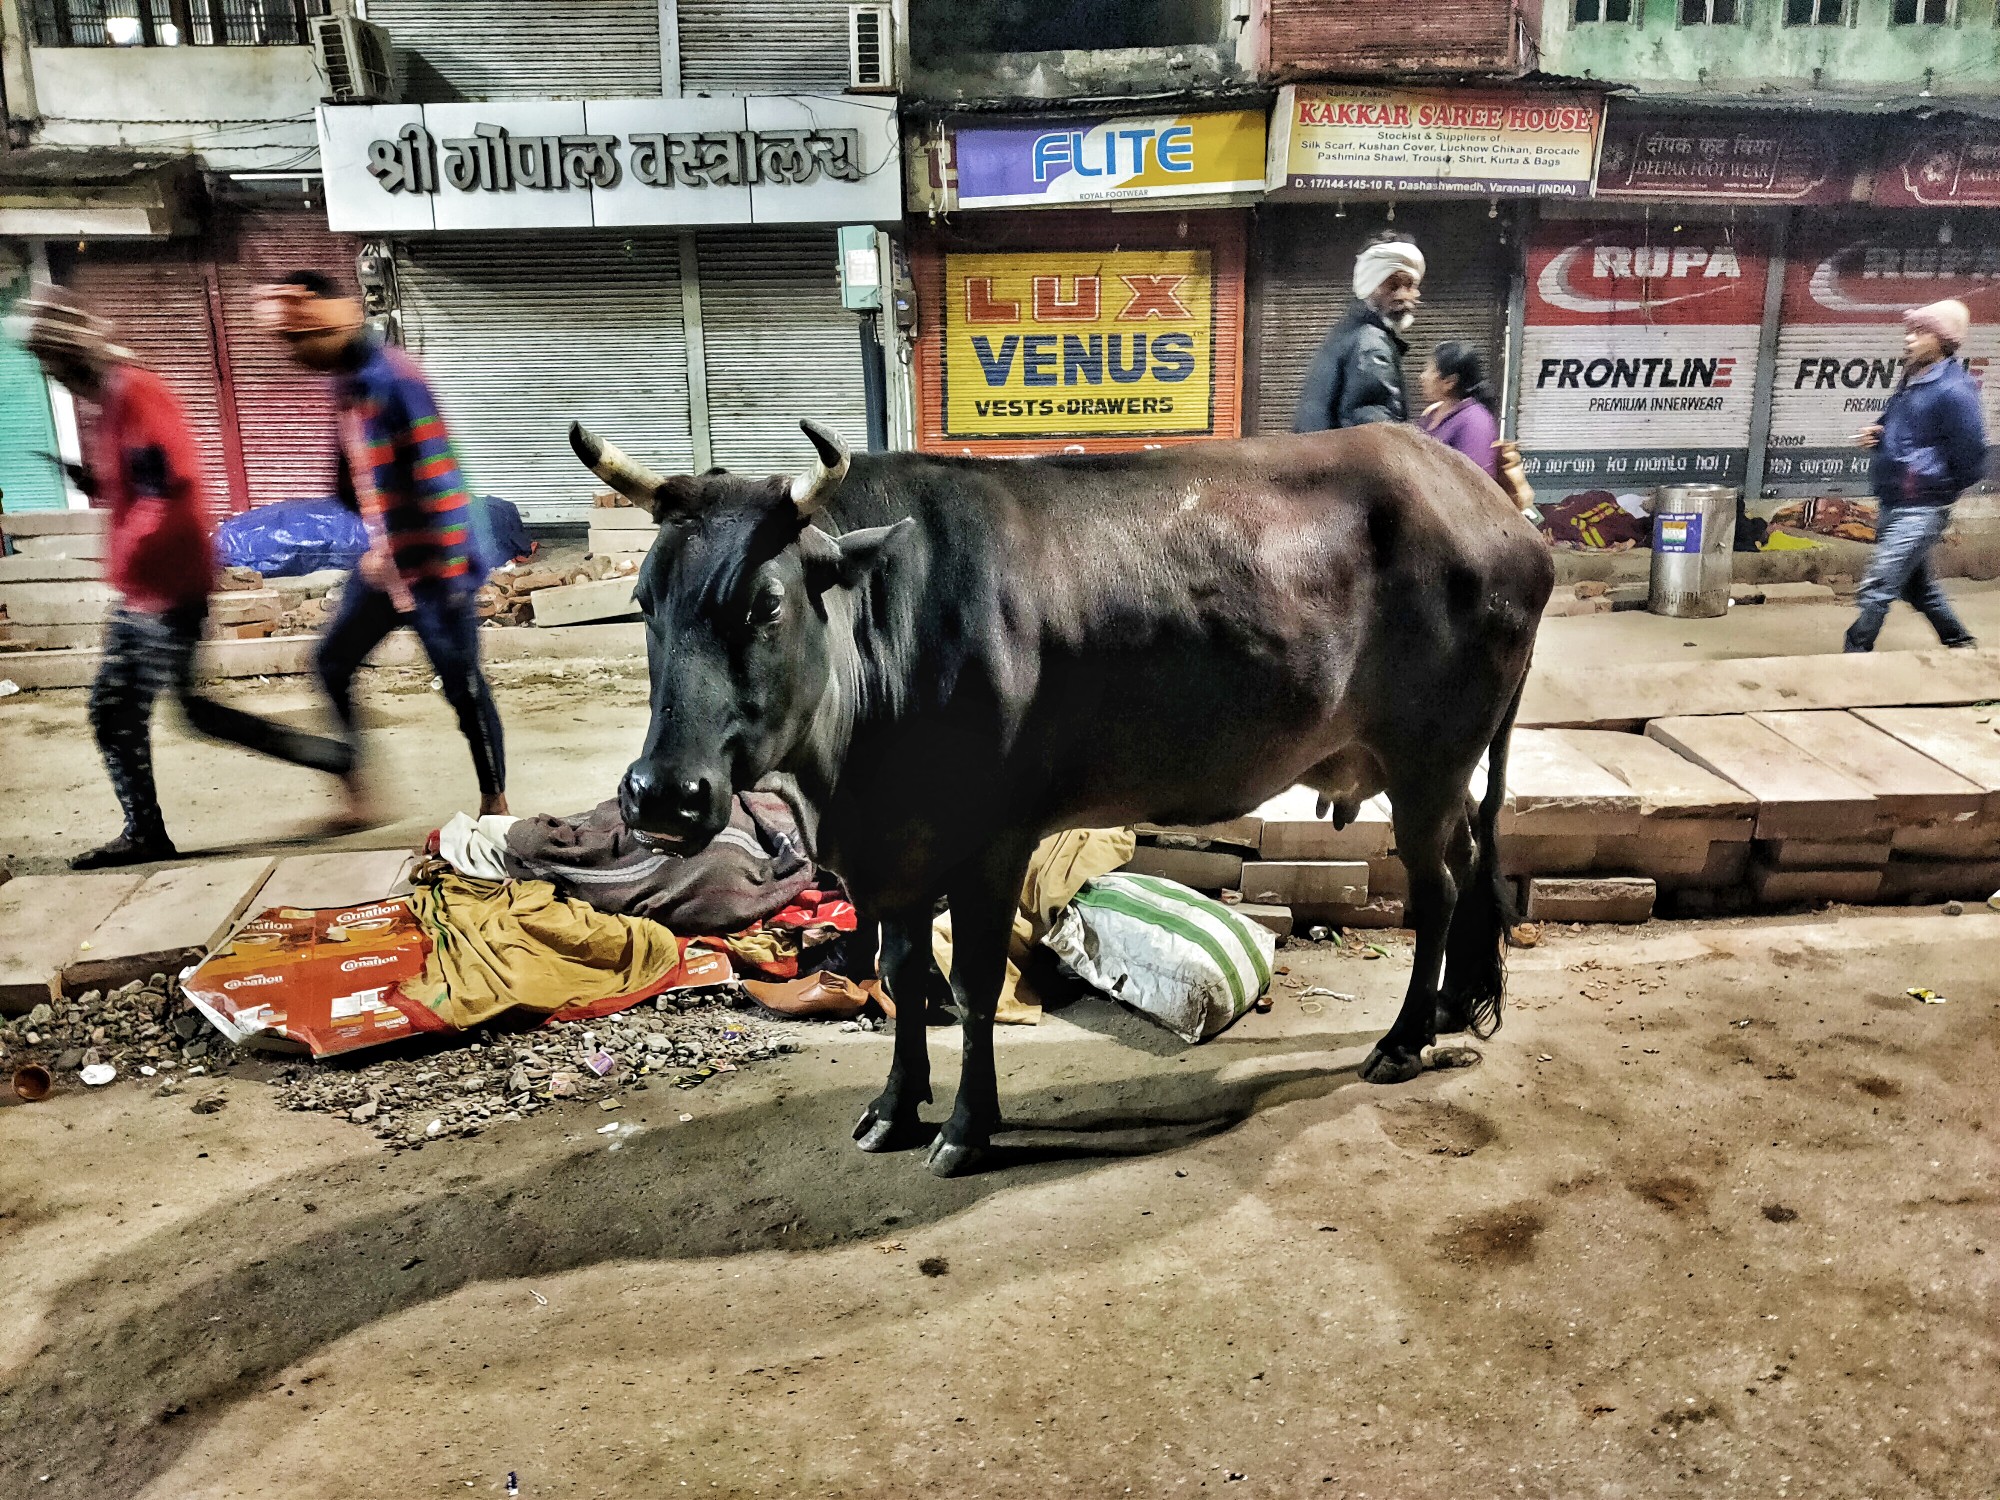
x=1638 y=355
x=536 y=164
x=1108 y=160
x=1085 y=343
x=1330 y=140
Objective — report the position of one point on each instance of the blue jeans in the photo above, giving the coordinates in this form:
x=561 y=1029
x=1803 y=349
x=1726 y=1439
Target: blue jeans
x=1901 y=569
x=448 y=625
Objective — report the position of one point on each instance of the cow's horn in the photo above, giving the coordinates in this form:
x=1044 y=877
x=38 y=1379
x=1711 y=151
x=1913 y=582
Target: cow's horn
x=811 y=491
x=622 y=472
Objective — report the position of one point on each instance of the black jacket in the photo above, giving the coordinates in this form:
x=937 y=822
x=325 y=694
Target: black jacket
x=1356 y=377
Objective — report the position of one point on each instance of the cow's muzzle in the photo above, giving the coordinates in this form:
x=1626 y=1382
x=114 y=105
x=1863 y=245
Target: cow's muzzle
x=680 y=813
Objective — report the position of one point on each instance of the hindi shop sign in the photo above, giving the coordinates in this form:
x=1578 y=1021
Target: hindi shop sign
x=1638 y=357
x=1079 y=343
x=610 y=163
x=1949 y=166
x=1109 y=159
x=1840 y=344
x=1333 y=139
x=1747 y=158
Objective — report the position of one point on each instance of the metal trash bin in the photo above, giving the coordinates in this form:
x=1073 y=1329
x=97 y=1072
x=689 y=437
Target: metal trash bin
x=1694 y=539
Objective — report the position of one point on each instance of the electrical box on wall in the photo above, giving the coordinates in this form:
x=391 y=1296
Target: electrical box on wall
x=860 y=269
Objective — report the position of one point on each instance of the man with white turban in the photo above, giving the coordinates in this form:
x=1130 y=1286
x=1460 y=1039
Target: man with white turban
x=1357 y=376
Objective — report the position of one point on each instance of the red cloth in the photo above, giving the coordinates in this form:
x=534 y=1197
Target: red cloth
x=147 y=473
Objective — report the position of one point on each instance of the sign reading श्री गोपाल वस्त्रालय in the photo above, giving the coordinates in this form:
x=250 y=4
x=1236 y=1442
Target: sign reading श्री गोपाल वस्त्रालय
x=1079 y=343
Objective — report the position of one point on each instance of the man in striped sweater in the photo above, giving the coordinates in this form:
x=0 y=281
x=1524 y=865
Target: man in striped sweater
x=397 y=468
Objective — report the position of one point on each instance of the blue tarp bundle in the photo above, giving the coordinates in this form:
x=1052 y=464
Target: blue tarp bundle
x=304 y=536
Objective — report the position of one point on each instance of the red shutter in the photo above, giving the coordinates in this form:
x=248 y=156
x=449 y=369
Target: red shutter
x=158 y=297
x=284 y=414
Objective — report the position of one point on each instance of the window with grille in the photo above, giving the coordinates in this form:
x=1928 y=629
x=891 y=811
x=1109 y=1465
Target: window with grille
x=173 y=23
x=1603 y=10
x=1923 y=12
x=1815 y=12
x=1711 y=12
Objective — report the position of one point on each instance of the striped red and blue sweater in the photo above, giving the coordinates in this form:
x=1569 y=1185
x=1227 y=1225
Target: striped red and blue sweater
x=397 y=462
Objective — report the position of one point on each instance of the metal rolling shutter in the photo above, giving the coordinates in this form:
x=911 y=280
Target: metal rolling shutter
x=522 y=334
x=499 y=49
x=1305 y=281
x=768 y=47
x=779 y=347
x=157 y=296
x=27 y=431
x=284 y=414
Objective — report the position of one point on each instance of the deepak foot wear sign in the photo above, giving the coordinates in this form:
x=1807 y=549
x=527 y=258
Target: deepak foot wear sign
x=1639 y=355
x=1079 y=343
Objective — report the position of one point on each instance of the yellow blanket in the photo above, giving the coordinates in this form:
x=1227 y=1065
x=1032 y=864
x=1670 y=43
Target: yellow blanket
x=501 y=945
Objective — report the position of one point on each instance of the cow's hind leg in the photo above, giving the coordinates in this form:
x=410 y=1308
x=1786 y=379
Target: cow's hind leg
x=983 y=899
x=1430 y=831
x=893 y=1121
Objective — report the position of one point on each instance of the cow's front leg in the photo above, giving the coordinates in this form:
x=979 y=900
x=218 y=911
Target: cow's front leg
x=1425 y=829
x=983 y=901
x=892 y=1122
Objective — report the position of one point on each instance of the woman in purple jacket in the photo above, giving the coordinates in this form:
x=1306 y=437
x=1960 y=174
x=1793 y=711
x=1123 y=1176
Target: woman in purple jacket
x=1458 y=404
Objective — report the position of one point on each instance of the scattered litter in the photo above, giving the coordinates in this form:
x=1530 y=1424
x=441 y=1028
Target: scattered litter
x=695 y=1079
x=601 y=1064
x=1929 y=997
x=436 y=1127
x=1546 y=1058
x=8 y=687
x=208 y=1104
x=890 y=1247
x=1263 y=1005
x=1317 y=934
x=1321 y=992
x=1526 y=934
x=1954 y=908
x=540 y=1300
x=513 y=1483
x=611 y=1104
x=147 y=1070
x=686 y=1118
x=97 y=1075
x=609 y=1129
x=1375 y=950
x=32 y=1083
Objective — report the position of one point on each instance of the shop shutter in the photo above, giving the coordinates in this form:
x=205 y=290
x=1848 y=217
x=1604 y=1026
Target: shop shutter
x=500 y=49
x=767 y=47
x=1304 y=281
x=158 y=297
x=28 y=481
x=779 y=347
x=522 y=334
x=284 y=414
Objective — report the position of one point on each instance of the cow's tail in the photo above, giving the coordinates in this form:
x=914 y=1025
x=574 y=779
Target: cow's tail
x=1475 y=967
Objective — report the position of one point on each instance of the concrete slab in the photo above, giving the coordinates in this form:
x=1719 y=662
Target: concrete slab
x=173 y=918
x=42 y=919
x=76 y=603
x=347 y=878
x=1553 y=788
x=87 y=546
x=55 y=523
x=1563 y=854
x=1910 y=785
x=1628 y=696
x=25 y=570
x=1797 y=887
x=1605 y=899
x=621 y=518
x=1277 y=918
x=1306 y=883
x=1939 y=879
x=1668 y=784
x=1200 y=869
x=1290 y=830
x=1237 y=833
x=1966 y=741
x=1826 y=854
x=1798 y=795
x=583 y=603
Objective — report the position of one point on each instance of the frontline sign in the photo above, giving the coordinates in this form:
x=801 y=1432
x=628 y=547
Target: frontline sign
x=1638 y=356
x=1079 y=343
x=1840 y=345
x=1333 y=139
x=577 y=163
x=1109 y=159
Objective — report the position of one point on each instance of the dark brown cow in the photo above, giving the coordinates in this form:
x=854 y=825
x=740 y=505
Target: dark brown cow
x=956 y=657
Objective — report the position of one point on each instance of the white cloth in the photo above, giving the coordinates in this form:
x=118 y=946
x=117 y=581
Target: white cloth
x=1377 y=263
x=476 y=846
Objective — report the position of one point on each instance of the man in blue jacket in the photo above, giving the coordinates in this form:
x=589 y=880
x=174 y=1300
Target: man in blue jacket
x=1930 y=447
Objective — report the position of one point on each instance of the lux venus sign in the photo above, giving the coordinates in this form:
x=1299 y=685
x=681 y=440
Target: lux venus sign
x=1084 y=343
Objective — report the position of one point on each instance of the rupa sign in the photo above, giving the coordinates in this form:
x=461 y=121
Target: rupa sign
x=1637 y=356
x=1109 y=159
x=582 y=163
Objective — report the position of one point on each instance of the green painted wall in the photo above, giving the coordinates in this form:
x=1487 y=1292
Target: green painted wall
x=1870 y=56
x=27 y=430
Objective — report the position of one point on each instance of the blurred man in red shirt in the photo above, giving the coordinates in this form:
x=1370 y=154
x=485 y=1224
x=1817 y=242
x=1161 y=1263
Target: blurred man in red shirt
x=141 y=464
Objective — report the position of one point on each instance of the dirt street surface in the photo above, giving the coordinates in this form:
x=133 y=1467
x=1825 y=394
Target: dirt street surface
x=1715 y=1216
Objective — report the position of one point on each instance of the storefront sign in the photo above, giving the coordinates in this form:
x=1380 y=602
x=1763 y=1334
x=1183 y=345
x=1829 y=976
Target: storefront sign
x=1079 y=343
x=1638 y=357
x=1955 y=166
x=1104 y=160
x=577 y=163
x=1335 y=139
x=1840 y=345
x=1758 y=158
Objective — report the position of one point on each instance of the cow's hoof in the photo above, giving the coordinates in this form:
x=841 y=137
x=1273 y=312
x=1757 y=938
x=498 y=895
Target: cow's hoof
x=878 y=1133
x=1392 y=1065
x=953 y=1159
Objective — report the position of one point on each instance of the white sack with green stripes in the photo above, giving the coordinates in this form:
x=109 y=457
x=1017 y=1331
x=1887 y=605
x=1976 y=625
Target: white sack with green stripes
x=1170 y=953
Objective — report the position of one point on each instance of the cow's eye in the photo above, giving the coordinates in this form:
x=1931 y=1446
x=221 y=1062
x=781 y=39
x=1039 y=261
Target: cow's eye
x=767 y=603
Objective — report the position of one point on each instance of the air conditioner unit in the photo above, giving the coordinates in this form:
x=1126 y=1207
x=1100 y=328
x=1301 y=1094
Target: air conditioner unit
x=871 y=49
x=356 y=59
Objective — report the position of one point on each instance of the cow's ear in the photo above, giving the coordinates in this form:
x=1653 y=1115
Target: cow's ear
x=848 y=560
